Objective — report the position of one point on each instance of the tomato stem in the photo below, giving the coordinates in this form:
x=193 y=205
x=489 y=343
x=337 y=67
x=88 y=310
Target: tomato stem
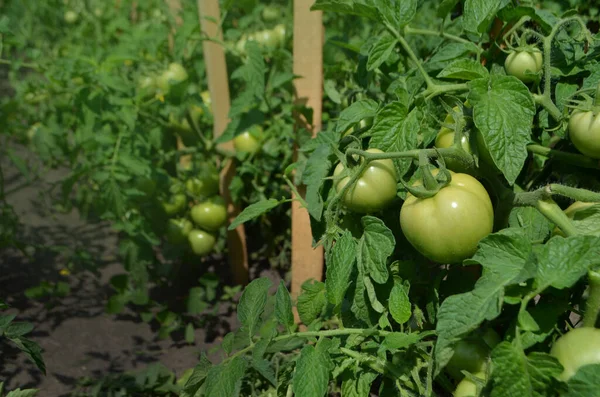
x=554 y=213
x=569 y=158
x=592 y=307
x=547 y=103
x=574 y=193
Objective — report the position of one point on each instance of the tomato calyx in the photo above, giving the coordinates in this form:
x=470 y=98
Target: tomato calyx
x=431 y=184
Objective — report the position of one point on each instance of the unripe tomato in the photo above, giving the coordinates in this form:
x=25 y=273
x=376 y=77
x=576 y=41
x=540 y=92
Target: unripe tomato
x=271 y=13
x=469 y=355
x=71 y=17
x=145 y=185
x=584 y=131
x=178 y=230
x=279 y=34
x=173 y=76
x=175 y=205
x=577 y=348
x=203 y=186
x=375 y=188
x=210 y=215
x=518 y=62
x=447 y=227
x=466 y=388
x=445 y=139
x=248 y=141
x=201 y=242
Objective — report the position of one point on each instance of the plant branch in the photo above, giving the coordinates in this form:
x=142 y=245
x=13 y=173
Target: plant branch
x=547 y=103
x=592 y=307
x=574 y=193
x=565 y=157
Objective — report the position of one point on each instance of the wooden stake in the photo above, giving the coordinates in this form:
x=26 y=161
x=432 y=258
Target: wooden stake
x=307 y=262
x=216 y=70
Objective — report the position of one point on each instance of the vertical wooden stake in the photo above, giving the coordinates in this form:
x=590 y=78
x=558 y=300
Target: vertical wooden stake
x=307 y=262
x=216 y=70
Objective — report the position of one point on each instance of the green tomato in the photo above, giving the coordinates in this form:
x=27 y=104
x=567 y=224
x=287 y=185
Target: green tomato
x=210 y=215
x=519 y=62
x=271 y=13
x=206 y=99
x=447 y=227
x=71 y=17
x=374 y=190
x=279 y=34
x=577 y=348
x=445 y=139
x=145 y=185
x=491 y=338
x=584 y=131
x=201 y=242
x=266 y=39
x=175 y=205
x=178 y=230
x=203 y=186
x=467 y=388
x=173 y=76
x=248 y=141
x=469 y=355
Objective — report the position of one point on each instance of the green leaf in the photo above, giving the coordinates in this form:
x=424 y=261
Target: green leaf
x=515 y=374
x=504 y=256
x=6 y=319
x=535 y=225
x=587 y=221
x=198 y=376
x=252 y=304
x=396 y=131
x=355 y=113
x=357 y=384
x=375 y=304
x=340 y=264
x=464 y=69
x=479 y=14
x=311 y=301
x=225 y=380
x=399 y=13
x=445 y=7
x=264 y=368
x=332 y=92
x=545 y=18
x=253 y=211
x=20 y=164
x=196 y=301
x=311 y=377
x=561 y=262
x=345 y=7
x=503 y=111
x=283 y=306
x=399 y=305
x=253 y=72
x=314 y=174
x=375 y=247
x=381 y=51
x=23 y=393
x=190 y=337
x=359 y=313
x=399 y=340
x=449 y=53
x=585 y=382
x=32 y=350
x=18 y=329
x=116 y=303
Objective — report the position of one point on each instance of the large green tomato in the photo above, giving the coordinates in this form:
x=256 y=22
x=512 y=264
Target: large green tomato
x=519 y=62
x=203 y=186
x=375 y=188
x=178 y=230
x=248 y=141
x=210 y=215
x=447 y=227
x=466 y=388
x=577 y=348
x=469 y=355
x=201 y=242
x=175 y=205
x=173 y=76
x=584 y=131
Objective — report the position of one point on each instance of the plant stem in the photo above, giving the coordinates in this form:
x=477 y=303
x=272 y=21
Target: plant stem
x=23 y=65
x=552 y=211
x=574 y=193
x=569 y=158
x=426 y=32
x=592 y=307
x=547 y=103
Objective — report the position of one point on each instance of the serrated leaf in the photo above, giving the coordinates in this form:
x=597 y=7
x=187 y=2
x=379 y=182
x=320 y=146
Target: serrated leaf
x=396 y=131
x=6 y=319
x=585 y=382
x=253 y=211
x=340 y=263
x=503 y=111
x=252 y=304
x=399 y=304
x=264 y=368
x=504 y=256
x=355 y=113
x=400 y=340
x=332 y=92
x=535 y=225
x=18 y=329
x=283 y=306
x=357 y=384
x=479 y=14
x=561 y=262
x=32 y=350
x=375 y=247
x=449 y=53
x=311 y=301
x=225 y=380
x=464 y=69
x=515 y=374
x=316 y=170
x=375 y=304
x=380 y=51
x=23 y=393
x=198 y=375
x=311 y=377
x=345 y=7
x=253 y=71
x=445 y=7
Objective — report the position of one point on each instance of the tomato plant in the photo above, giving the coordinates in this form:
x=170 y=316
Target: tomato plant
x=374 y=189
x=524 y=64
x=447 y=227
x=584 y=131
